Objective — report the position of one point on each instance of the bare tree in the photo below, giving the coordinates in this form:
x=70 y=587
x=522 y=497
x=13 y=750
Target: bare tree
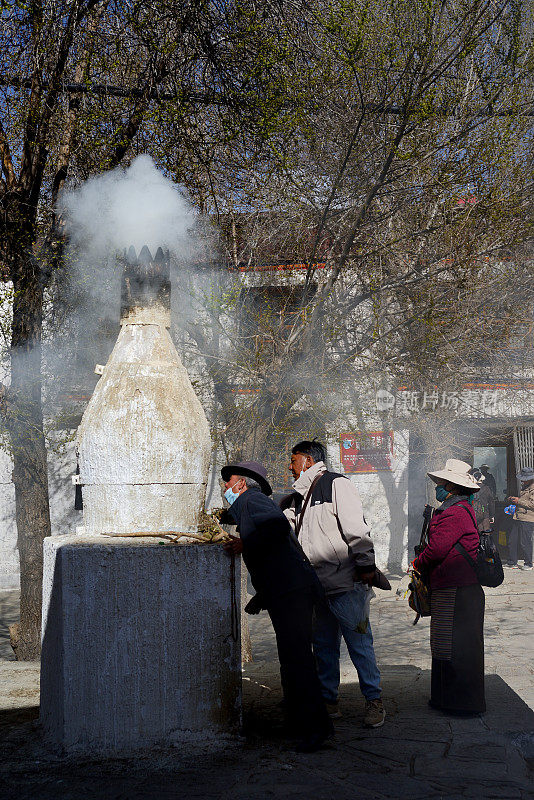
x=405 y=191
x=84 y=84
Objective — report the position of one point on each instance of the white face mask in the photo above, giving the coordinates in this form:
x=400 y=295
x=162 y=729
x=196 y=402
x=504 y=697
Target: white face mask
x=230 y=495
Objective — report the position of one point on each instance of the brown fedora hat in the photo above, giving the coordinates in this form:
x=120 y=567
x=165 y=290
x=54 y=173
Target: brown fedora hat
x=248 y=469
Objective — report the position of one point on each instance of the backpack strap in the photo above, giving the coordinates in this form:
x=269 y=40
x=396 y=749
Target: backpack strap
x=315 y=481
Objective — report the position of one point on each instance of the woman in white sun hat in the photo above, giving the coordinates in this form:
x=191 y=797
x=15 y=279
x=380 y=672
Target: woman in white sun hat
x=457 y=598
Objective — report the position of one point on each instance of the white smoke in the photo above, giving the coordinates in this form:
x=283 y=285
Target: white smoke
x=107 y=214
x=123 y=207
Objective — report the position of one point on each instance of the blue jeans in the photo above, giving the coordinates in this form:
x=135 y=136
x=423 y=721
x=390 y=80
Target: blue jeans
x=346 y=615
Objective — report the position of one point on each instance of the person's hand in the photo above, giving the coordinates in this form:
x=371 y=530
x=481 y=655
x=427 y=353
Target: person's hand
x=235 y=545
x=513 y=499
x=367 y=577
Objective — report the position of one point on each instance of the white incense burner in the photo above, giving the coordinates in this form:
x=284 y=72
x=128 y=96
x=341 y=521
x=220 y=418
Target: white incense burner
x=143 y=442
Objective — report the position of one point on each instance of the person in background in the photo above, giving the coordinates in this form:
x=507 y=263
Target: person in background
x=326 y=513
x=483 y=503
x=520 y=543
x=456 y=596
x=489 y=478
x=286 y=587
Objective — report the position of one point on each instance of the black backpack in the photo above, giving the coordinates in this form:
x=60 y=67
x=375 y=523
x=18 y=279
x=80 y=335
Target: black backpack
x=488 y=564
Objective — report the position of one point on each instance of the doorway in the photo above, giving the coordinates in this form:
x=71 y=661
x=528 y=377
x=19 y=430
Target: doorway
x=496 y=458
x=492 y=443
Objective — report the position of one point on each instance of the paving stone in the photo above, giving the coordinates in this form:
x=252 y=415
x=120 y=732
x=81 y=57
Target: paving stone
x=419 y=754
x=396 y=751
x=484 y=750
x=396 y=787
x=465 y=769
x=490 y=791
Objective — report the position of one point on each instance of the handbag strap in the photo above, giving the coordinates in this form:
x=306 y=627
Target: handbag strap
x=459 y=547
x=470 y=512
x=315 y=481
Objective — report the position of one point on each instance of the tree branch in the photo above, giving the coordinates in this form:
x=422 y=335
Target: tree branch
x=217 y=99
x=7 y=161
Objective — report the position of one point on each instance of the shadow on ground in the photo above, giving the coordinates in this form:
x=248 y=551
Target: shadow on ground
x=419 y=753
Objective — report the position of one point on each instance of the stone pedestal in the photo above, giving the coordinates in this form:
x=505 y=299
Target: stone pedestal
x=138 y=647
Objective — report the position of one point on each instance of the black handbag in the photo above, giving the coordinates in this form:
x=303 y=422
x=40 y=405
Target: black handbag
x=488 y=564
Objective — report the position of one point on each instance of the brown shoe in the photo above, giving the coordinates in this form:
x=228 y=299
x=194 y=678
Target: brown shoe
x=374 y=713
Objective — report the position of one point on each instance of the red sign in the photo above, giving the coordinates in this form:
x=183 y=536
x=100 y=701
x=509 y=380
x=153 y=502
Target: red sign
x=367 y=451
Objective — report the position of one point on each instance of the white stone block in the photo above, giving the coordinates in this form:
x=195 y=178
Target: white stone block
x=137 y=643
x=153 y=507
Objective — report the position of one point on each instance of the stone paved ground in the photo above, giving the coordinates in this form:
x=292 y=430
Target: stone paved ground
x=419 y=753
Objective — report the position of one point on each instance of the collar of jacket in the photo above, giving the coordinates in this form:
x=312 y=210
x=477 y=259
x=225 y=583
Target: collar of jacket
x=237 y=506
x=303 y=483
x=451 y=501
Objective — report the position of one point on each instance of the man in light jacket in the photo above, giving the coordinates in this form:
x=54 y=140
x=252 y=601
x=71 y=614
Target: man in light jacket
x=523 y=527
x=326 y=514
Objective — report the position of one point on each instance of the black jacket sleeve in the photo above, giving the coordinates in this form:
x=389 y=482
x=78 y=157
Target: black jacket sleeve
x=272 y=554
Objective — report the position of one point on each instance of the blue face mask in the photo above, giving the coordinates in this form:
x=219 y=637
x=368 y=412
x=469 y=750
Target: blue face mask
x=441 y=493
x=230 y=495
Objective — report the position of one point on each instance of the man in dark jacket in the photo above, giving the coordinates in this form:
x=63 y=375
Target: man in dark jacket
x=483 y=503
x=489 y=478
x=286 y=587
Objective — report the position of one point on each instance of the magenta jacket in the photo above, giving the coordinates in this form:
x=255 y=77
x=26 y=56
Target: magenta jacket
x=450 y=524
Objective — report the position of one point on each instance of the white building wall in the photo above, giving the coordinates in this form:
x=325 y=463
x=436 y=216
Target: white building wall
x=61 y=467
x=63 y=517
x=9 y=559
x=385 y=503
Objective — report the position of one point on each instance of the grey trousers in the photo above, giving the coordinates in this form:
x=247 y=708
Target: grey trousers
x=520 y=542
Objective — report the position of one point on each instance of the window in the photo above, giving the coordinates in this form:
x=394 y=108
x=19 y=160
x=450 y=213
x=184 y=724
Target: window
x=268 y=316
